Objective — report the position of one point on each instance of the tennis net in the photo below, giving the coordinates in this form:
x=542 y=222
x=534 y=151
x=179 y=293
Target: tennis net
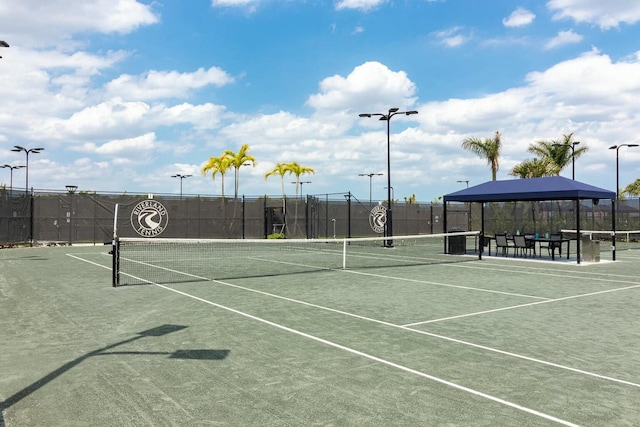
x=154 y=260
x=628 y=236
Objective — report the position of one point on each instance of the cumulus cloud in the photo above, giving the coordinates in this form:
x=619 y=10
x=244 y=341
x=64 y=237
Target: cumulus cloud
x=371 y=84
x=364 y=5
x=563 y=38
x=165 y=84
x=53 y=21
x=605 y=14
x=519 y=18
x=126 y=147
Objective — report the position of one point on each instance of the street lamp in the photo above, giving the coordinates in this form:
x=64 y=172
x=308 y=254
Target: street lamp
x=617 y=148
x=301 y=182
x=11 y=176
x=181 y=178
x=466 y=181
x=70 y=189
x=3 y=44
x=387 y=117
x=370 y=175
x=573 y=157
x=27 y=151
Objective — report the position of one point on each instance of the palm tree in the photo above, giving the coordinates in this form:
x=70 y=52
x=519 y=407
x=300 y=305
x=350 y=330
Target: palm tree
x=298 y=170
x=280 y=169
x=238 y=160
x=558 y=153
x=217 y=165
x=632 y=189
x=488 y=148
x=532 y=168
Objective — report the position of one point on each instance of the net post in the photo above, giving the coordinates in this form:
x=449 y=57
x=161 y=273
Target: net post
x=480 y=244
x=115 y=262
x=344 y=254
x=115 y=251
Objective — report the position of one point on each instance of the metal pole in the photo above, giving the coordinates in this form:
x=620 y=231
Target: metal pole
x=389 y=222
x=387 y=117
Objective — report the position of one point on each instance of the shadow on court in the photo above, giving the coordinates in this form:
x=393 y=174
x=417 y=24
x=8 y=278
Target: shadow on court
x=197 y=354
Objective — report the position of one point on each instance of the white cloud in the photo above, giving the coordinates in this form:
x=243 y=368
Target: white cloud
x=563 y=38
x=605 y=14
x=249 y=5
x=451 y=37
x=125 y=147
x=165 y=84
x=370 y=85
x=364 y=5
x=58 y=20
x=519 y=18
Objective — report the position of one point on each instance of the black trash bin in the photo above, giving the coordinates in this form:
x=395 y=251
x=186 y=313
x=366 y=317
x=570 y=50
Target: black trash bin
x=457 y=244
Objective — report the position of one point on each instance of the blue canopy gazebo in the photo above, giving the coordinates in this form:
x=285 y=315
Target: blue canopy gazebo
x=533 y=189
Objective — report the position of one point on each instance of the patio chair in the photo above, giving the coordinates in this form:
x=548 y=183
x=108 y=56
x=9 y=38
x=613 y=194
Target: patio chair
x=523 y=245
x=552 y=245
x=503 y=243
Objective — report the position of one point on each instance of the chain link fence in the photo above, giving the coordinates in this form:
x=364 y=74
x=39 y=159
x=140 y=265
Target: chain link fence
x=48 y=217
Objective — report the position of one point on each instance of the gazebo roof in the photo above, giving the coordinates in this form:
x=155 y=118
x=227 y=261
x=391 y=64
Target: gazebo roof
x=532 y=189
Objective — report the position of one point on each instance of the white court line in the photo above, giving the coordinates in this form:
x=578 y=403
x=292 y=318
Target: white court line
x=571 y=276
x=523 y=305
x=469 y=288
x=407 y=328
x=362 y=354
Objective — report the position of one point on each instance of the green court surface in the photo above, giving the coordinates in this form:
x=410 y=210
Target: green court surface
x=496 y=342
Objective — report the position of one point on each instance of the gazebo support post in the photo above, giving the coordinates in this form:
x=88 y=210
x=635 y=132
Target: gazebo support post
x=613 y=227
x=481 y=243
x=444 y=223
x=576 y=205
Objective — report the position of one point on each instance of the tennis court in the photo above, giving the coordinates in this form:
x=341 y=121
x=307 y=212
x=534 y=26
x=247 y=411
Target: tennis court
x=497 y=341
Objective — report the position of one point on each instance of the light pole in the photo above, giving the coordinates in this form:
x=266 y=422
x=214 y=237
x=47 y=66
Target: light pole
x=466 y=181
x=573 y=157
x=11 y=176
x=70 y=189
x=370 y=175
x=617 y=148
x=181 y=178
x=301 y=182
x=3 y=44
x=387 y=117
x=27 y=151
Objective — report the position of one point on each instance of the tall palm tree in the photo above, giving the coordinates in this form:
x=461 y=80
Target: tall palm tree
x=280 y=169
x=217 y=165
x=237 y=160
x=488 y=148
x=632 y=189
x=297 y=170
x=558 y=153
x=532 y=168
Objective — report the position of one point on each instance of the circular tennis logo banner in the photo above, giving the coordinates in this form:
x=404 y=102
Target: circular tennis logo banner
x=149 y=218
x=378 y=218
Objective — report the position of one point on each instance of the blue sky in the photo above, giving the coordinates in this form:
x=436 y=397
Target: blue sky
x=123 y=94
